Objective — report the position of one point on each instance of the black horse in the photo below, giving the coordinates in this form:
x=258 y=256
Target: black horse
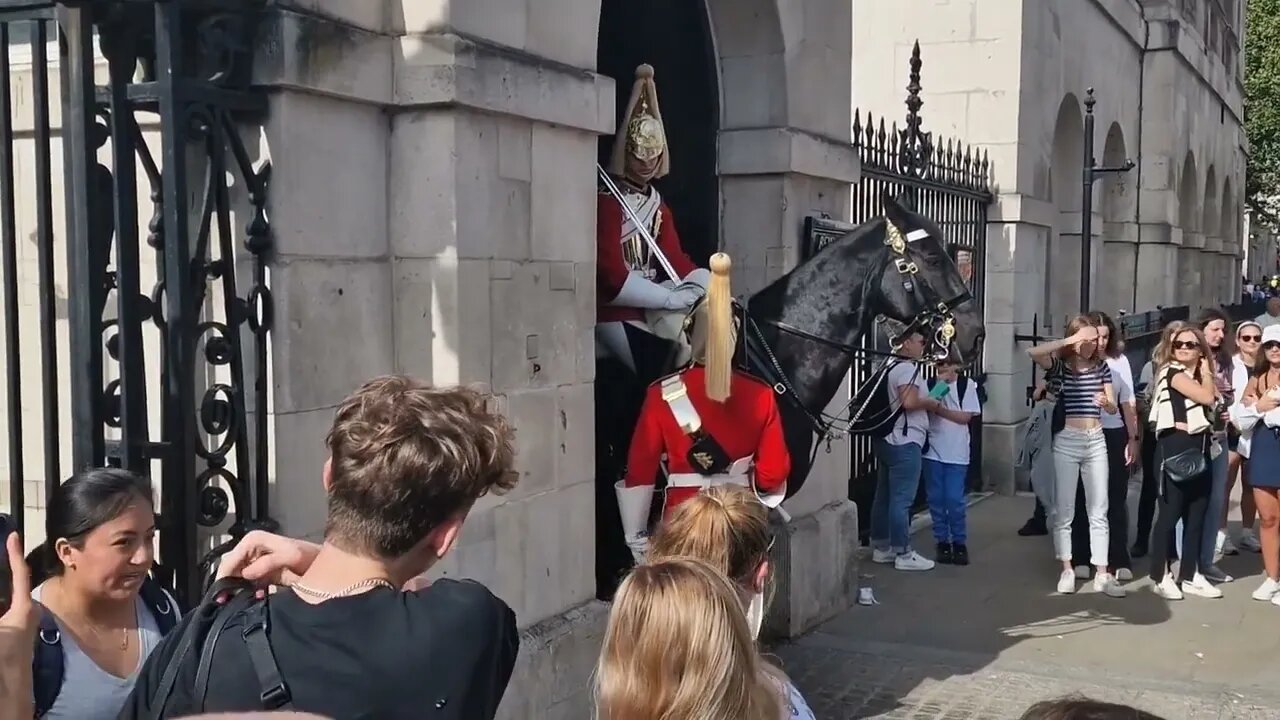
x=802 y=333
x=812 y=319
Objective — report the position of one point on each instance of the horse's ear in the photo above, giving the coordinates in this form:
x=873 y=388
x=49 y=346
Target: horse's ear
x=897 y=209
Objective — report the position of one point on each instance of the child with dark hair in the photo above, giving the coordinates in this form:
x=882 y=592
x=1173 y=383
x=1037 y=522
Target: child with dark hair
x=1085 y=709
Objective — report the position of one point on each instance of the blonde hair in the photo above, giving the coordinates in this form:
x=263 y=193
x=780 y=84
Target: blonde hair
x=1163 y=354
x=677 y=647
x=725 y=526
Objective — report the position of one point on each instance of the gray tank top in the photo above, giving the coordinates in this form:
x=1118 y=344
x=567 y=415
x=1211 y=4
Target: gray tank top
x=89 y=692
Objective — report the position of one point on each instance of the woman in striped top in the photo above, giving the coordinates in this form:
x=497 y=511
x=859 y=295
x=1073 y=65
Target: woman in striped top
x=1077 y=375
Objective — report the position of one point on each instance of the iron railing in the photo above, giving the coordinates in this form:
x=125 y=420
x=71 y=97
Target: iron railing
x=165 y=348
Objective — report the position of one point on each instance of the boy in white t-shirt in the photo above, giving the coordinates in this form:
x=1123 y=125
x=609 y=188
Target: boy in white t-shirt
x=946 y=463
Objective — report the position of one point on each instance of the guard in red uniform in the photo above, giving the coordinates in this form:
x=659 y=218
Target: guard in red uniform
x=715 y=425
x=633 y=290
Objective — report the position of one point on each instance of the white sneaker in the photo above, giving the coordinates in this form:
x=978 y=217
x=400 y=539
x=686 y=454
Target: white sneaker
x=1276 y=600
x=1083 y=572
x=1267 y=590
x=1107 y=585
x=883 y=557
x=1200 y=587
x=1249 y=541
x=1168 y=589
x=1225 y=546
x=1124 y=574
x=912 y=561
x=1067 y=582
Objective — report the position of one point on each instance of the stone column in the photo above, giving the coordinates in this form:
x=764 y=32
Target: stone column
x=434 y=205
x=784 y=154
x=492 y=217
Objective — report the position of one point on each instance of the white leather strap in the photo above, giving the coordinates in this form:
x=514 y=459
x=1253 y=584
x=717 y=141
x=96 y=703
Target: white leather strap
x=740 y=472
x=676 y=396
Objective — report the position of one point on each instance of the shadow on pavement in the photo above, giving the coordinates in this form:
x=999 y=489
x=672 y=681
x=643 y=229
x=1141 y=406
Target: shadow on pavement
x=990 y=639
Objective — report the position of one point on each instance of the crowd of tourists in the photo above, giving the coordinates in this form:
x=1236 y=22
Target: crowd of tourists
x=348 y=628
x=1200 y=416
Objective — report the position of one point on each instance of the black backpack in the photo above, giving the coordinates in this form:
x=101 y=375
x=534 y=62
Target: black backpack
x=880 y=412
x=230 y=605
x=48 y=664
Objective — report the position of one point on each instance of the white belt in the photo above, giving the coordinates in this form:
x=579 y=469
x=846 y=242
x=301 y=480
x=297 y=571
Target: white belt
x=739 y=473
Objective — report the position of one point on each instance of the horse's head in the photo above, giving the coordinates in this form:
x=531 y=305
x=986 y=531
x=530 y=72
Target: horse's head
x=921 y=288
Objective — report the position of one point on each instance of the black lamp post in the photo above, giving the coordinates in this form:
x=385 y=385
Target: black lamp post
x=1091 y=174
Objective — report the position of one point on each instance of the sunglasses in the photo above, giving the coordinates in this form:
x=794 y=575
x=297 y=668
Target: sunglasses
x=1186 y=345
x=1271 y=346
x=1250 y=338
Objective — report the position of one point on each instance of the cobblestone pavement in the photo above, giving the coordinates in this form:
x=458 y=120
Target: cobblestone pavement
x=990 y=640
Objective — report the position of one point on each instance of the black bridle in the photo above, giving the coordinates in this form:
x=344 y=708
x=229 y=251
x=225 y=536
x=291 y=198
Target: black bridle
x=935 y=319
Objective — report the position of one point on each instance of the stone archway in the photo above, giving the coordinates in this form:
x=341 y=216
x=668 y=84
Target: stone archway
x=782 y=152
x=1062 y=276
x=1119 y=254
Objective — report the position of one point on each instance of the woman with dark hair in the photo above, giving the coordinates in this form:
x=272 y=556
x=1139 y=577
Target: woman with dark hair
x=100 y=611
x=1120 y=430
x=1213 y=324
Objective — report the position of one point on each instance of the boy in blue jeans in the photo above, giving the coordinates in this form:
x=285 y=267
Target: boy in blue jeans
x=946 y=461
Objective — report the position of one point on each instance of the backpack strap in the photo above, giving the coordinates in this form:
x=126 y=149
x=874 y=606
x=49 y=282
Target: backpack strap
x=48 y=663
x=273 y=691
x=192 y=635
x=160 y=604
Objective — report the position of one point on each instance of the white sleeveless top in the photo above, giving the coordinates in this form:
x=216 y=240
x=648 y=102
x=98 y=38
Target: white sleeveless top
x=89 y=692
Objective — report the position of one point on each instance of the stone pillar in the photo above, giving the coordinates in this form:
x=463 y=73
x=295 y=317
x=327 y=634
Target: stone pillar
x=1017 y=250
x=784 y=154
x=434 y=205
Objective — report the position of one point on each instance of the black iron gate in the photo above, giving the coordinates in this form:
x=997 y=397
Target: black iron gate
x=947 y=181
x=164 y=350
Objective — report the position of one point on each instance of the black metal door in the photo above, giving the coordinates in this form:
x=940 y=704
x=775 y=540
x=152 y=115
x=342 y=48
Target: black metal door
x=165 y=345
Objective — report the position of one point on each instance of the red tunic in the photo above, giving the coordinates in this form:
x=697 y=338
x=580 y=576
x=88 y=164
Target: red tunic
x=746 y=425
x=612 y=271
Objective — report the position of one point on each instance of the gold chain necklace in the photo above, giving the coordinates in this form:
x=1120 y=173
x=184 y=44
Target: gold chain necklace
x=98 y=633
x=326 y=595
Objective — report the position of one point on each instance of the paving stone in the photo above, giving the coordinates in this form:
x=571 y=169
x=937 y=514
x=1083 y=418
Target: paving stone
x=899 y=660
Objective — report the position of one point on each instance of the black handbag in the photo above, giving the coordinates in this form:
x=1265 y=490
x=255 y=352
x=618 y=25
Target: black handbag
x=1186 y=464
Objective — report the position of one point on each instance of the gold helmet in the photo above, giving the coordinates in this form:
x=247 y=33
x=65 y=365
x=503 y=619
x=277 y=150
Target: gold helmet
x=714 y=334
x=641 y=133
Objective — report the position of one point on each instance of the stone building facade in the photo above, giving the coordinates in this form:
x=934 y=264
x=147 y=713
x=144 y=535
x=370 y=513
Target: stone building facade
x=1013 y=77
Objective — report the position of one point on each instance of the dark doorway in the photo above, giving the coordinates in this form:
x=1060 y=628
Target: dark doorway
x=674 y=36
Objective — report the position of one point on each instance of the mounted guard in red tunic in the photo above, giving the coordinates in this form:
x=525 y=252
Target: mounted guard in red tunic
x=646 y=281
x=713 y=424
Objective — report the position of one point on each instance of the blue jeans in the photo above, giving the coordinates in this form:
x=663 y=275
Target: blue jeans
x=944 y=484
x=1213 y=513
x=897 y=480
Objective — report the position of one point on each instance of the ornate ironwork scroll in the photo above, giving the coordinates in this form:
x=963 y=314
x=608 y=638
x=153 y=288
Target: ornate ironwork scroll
x=185 y=359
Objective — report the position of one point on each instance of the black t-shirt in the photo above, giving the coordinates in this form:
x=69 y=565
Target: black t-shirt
x=443 y=652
